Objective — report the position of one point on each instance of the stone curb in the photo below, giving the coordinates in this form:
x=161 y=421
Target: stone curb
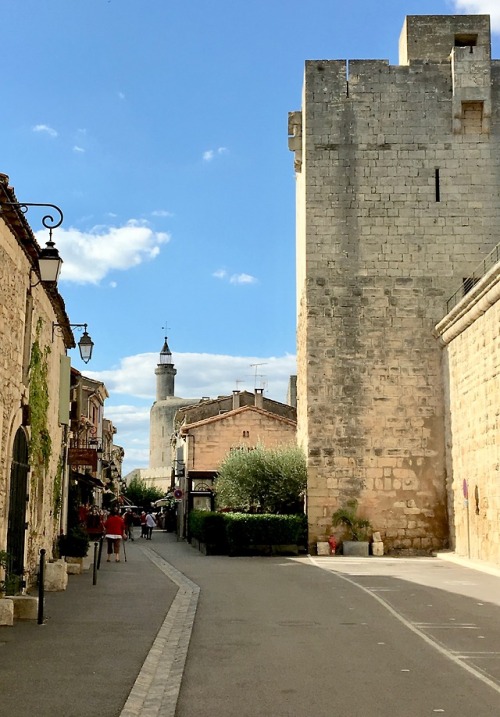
x=156 y=689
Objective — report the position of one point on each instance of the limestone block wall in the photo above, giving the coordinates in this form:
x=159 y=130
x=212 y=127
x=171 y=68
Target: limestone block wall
x=396 y=203
x=209 y=441
x=161 y=428
x=20 y=315
x=470 y=337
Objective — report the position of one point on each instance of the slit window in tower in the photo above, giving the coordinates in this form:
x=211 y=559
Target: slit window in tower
x=465 y=41
x=437 y=185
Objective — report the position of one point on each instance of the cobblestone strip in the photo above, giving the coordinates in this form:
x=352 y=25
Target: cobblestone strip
x=157 y=686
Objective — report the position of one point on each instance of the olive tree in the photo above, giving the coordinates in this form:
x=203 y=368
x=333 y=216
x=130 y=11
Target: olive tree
x=140 y=493
x=264 y=480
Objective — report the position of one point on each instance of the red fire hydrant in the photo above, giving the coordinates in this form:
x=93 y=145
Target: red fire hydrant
x=333 y=544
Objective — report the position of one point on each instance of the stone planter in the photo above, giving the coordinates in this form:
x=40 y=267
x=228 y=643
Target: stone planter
x=356 y=548
x=56 y=576
x=74 y=565
x=323 y=548
x=6 y=611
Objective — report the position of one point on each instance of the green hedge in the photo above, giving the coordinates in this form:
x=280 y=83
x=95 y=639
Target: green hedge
x=243 y=533
x=208 y=528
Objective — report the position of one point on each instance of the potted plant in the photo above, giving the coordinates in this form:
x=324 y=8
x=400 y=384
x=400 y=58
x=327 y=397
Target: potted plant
x=75 y=544
x=358 y=530
x=11 y=583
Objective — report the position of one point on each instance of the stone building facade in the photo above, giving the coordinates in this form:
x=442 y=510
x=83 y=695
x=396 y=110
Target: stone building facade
x=208 y=441
x=34 y=398
x=470 y=337
x=397 y=180
x=208 y=431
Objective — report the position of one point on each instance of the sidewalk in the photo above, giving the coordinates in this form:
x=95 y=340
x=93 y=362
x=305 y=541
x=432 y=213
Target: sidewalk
x=84 y=660
x=263 y=634
x=480 y=565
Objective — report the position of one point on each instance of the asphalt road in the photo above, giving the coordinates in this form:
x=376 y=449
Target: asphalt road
x=305 y=637
x=295 y=637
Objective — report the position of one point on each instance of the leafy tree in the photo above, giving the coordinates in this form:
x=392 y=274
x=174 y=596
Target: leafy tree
x=140 y=493
x=263 y=480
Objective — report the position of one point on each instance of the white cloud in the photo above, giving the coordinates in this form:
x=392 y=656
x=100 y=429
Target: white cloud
x=242 y=279
x=90 y=256
x=161 y=213
x=234 y=278
x=76 y=148
x=198 y=375
x=481 y=7
x=209 y=155
x=132 y=424
x=113 y=284
x=45 y=128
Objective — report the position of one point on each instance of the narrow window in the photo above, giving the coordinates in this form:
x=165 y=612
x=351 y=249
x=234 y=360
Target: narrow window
x=465 y=41
x=438 y=187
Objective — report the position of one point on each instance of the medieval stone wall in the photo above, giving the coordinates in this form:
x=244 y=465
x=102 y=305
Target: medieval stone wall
x=471 y=339
x=161 y=429
x=397 y=201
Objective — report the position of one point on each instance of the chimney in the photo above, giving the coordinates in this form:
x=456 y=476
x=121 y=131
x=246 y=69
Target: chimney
x=259 y=398
x=236 y=399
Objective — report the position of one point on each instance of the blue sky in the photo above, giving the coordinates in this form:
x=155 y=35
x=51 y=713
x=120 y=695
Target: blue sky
x=160 y=129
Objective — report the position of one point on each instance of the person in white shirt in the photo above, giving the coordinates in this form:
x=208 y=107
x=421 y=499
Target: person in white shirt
x=150 y=524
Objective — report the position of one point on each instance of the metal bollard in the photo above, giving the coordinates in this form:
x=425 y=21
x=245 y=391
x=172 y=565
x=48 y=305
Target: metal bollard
x=101 y=541
x=94 y=579
x=41 y=586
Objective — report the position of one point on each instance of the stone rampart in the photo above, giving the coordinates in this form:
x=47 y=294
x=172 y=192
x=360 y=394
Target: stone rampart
x=397 y=200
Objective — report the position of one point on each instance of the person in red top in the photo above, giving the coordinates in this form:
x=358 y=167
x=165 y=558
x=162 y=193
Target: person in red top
x=115 y=531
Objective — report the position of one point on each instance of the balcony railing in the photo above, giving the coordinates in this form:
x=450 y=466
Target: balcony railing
x=470 y=281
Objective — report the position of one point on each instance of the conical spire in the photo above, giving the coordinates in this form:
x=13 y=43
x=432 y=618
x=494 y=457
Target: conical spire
x=165 y=354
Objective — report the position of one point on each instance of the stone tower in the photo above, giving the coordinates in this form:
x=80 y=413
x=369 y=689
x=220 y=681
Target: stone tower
x=162 y=416
x=398 y=177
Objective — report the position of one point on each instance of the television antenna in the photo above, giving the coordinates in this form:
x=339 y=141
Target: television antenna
x=259 y=375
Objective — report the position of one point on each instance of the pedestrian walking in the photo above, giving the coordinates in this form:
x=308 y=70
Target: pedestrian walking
x=115 y=532
x=128 y=519
x=144 y=527
x=150 y=524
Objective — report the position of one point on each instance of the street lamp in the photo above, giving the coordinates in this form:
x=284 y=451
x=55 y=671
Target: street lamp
x=49 y=261
x=85 y=345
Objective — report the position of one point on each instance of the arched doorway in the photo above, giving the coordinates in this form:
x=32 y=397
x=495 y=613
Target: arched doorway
x=17 y=512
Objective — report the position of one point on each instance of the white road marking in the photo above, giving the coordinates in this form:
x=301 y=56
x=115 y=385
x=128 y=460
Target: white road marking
x=413 y=628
